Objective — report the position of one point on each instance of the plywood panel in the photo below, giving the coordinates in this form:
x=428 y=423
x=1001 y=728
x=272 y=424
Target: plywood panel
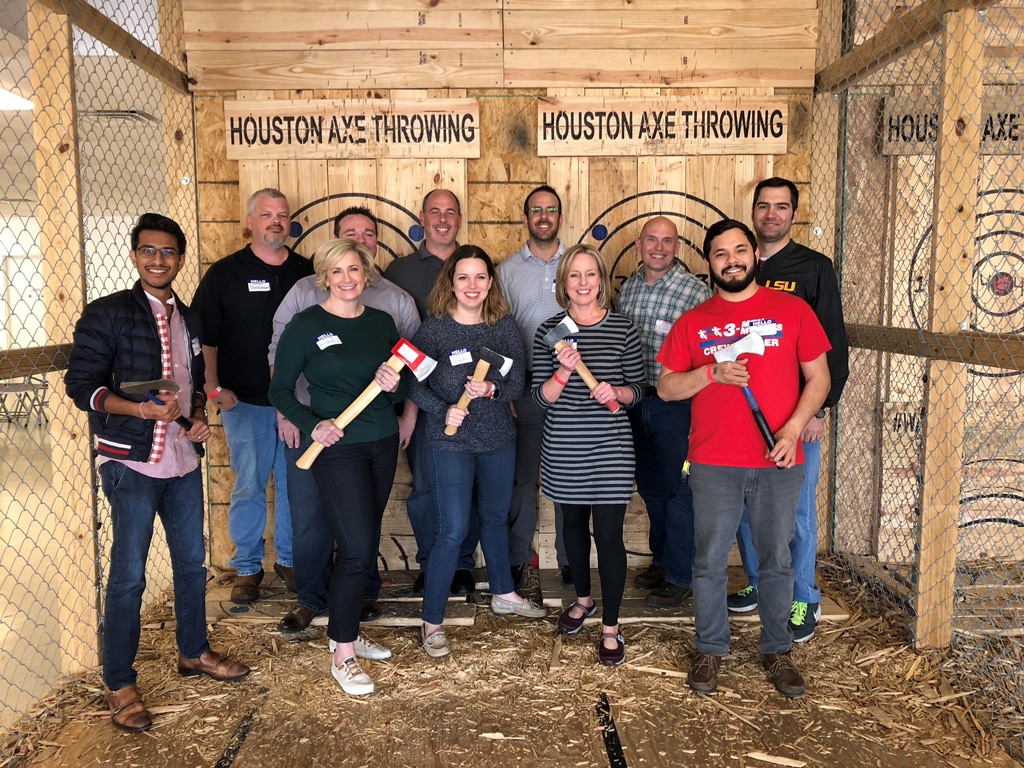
x=626 y=7
x=328 y=7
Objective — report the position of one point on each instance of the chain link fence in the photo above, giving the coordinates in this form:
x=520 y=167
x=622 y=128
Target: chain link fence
x=95 y=140
x=919 y=131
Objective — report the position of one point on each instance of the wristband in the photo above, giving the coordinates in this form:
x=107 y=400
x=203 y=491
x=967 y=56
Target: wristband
x=555 y=377
x=215 y=391
x=711 y=375
x=141 y=414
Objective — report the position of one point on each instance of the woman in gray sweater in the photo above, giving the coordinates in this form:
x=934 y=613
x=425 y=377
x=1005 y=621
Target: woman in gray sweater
x=467 y=311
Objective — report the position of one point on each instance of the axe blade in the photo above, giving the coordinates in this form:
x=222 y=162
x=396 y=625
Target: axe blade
x=565 y=328
x=497 y=360
x=751 y=344
x=143 y=387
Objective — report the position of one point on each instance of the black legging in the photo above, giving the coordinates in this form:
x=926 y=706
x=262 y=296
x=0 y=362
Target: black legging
x=611 y=552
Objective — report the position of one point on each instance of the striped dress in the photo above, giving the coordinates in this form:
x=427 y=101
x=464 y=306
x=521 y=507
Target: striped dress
x=587 y=451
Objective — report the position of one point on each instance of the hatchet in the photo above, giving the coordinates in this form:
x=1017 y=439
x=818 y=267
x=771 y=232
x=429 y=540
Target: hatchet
x=751 y=344
x=147 y=388
x=403 y=354
x=555 y=338
x=488 y=357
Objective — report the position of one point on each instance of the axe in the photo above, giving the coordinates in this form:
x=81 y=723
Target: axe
x=147 y=388
x=402 y=354
x=555 y=338
x=488 y=357
x=751 y=344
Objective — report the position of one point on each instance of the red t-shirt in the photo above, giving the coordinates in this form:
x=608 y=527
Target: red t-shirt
x=723 y=432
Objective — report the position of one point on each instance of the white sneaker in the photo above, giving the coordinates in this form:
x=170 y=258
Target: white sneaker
x=365 y=648
x=351 y=678
x=435 y=644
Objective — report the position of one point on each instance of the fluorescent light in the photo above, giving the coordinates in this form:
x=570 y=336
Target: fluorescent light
x=12 y=102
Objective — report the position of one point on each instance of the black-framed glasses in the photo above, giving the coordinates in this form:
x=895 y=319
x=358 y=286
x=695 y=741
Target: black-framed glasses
x=551 y=210
x=150 y=251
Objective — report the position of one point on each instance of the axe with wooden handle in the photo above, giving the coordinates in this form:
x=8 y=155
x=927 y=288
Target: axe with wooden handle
x=488 y=357
x=751 y=344
x=403 y=354
x=147 y=388
x=555 y=338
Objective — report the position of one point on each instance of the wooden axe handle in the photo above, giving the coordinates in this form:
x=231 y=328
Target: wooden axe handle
x=588 y=377
x=479 y=374
x=358 y=405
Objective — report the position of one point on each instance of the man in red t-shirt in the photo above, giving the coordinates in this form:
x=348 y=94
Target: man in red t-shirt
x=730 y=464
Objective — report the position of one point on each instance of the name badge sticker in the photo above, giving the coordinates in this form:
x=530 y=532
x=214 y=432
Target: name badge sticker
x=662 y=326
x=571 y=341
x=259 y=286
x=459 y=357
x=327 y=340
x=197 y=348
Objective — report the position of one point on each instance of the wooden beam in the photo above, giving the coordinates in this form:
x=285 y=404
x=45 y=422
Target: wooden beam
x=94 y=23
x=900 y=36
x=993 y=350
x=32 y=361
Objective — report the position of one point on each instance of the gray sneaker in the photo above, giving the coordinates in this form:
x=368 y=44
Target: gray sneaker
x=527 y=608
x=365 y=648
x=436 y=644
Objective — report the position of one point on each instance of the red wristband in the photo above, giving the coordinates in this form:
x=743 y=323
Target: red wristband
x=711 y=375
x=555 y=377
x=214 y=392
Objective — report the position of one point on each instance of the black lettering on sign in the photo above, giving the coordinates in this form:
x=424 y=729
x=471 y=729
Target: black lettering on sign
x=1002 y=126
x=917 y=127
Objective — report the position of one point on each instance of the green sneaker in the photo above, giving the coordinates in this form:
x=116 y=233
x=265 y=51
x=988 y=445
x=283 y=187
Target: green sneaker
x=743 y=601
x=802 y=619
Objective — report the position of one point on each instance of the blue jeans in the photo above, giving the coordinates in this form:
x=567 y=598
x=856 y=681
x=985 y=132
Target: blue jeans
x=135 y=500
x=354 y=481
x=420 y=504
x=458 y=479
x=251 y=432
x=312 y=542
x=804 y=546
x=719 y=495
x=661 y=439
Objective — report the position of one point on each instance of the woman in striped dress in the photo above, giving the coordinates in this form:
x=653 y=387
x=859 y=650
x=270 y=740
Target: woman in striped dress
x=587 y=450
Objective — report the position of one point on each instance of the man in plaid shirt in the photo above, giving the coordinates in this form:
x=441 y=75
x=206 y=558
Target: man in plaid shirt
x=660 y=291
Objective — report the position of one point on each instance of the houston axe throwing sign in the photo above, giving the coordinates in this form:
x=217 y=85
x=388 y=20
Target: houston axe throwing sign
x=352 y=128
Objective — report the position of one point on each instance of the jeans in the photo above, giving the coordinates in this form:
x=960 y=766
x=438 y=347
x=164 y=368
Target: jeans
x=135 y=500
x=458 y=479
x=354 y=481
x=420 y=504
x=804 y=546
x=719 y=495
x=312 y=542
x=611 y=553
x=251 y=432
x=522 y=518
x=661 y=439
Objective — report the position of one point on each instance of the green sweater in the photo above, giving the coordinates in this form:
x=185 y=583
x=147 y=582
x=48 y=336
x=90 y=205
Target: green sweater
x=339 y=357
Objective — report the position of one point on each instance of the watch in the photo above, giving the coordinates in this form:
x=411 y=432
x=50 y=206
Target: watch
x=494 y=391
x=820 y=414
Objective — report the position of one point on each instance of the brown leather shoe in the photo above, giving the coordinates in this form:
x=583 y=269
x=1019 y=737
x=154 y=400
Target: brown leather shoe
x=246 y=589
x=213 y=664
x=784 y=675
x=703 y=674
x=287 y=574
x=297 y=619
x=370 y=611
x=127 y=710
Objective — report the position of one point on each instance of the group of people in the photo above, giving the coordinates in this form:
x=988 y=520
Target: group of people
x=591 y=395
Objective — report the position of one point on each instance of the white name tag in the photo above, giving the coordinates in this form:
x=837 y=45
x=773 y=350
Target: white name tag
x=662 y=326
x=259 y=286
x=570 y=341
x=197 y=348
x=460 y=357
x=327 y=340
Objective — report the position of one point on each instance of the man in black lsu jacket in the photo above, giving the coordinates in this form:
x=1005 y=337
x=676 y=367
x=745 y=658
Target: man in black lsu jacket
x=149 y=464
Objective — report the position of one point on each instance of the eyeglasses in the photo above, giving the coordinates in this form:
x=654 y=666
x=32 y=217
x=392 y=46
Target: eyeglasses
x=149 y=252
x=551 y=210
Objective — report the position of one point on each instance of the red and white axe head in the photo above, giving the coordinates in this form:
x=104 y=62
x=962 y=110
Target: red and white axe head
x=417 y=362
x=751 y=344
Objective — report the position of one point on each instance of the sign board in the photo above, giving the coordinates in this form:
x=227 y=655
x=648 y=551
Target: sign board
x=663 y=126
x=352 y=128
x=911 y=126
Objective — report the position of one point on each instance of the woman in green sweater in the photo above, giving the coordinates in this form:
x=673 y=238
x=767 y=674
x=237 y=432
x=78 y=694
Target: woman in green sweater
x=340 y=346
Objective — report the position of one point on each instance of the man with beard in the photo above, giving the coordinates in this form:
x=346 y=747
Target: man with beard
x=654 y=298
x=236 y=301
x=528 y=280
x=730 y=465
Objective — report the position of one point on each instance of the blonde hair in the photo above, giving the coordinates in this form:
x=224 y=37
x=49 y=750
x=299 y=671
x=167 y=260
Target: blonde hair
x=562 y=275
x=331 y=252
x=441 y=302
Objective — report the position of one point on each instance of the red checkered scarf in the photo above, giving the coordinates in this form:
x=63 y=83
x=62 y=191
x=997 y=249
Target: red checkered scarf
x=160 y=429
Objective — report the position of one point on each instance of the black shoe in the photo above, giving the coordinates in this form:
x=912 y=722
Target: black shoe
x=419 y=584
x=370 y=612
x=517 y=576
x=669 y=595
x=567 y=582
x=463 y=583
x=650 y=578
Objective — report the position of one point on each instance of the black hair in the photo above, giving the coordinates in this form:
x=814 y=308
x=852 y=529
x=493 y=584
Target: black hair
x=155 y=222
x=354 y=210
x=724 y=226
x=777 y=182
x=541 y=188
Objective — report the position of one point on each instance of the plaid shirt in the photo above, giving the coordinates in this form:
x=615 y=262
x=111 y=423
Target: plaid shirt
x=654 y=308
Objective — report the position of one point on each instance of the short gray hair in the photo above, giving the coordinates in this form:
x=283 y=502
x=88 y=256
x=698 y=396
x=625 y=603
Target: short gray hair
x=276 y=194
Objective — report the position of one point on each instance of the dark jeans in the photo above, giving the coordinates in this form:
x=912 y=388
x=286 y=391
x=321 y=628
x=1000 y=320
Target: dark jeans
x=661 y=439
x=459 y=478
x=611 y=553
x=420 y=504
x=135 y=500
x=354 y=481
x=312 y=541
x=719 y=495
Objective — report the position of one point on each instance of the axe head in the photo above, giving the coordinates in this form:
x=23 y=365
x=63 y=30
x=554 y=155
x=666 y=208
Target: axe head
x=416 y=361
x=142 y=387
x=751 y=344
x=565 y=328
x=496 y=360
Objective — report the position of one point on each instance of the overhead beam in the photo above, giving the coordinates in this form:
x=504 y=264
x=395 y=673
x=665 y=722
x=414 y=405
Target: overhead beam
x=977 y=348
